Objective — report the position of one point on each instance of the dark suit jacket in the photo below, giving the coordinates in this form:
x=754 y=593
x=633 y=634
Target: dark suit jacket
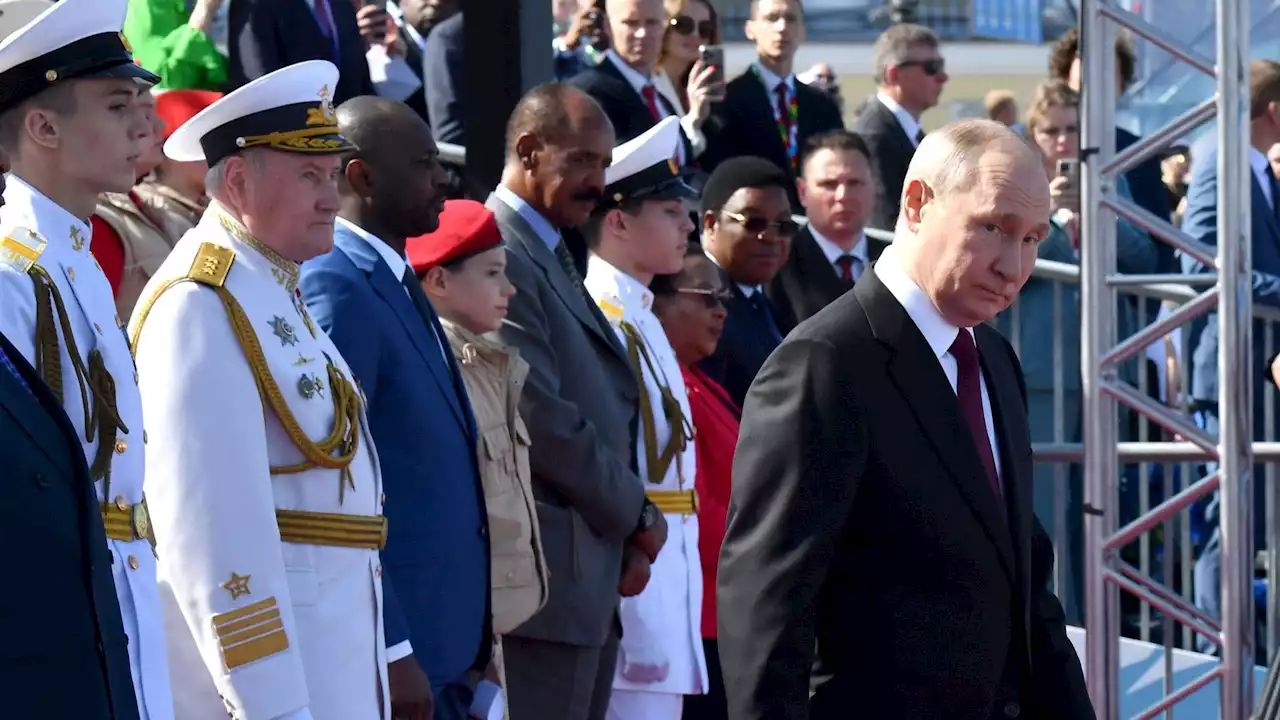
x=413 y=57
x=808 y=282
x=627 y=111
x=64 y=652
x=891 y=152
x=436 y=562
x=266 y=35
x=743 y=124
x=580 y=404
x=744 y=344
x=862 y=525
x=442 y=81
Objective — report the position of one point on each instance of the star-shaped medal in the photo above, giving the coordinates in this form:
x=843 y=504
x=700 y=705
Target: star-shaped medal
x=238 y=585
x=283 y=330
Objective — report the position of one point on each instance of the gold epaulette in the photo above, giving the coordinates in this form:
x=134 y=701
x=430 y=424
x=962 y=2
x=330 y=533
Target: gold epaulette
x=21 y=248
x=212 y=264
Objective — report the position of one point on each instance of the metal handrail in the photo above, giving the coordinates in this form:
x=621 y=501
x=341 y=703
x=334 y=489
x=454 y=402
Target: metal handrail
x=452 y=154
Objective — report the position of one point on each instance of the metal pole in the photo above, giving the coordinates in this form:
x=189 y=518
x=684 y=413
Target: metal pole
x=1235 y=323
x=1097 y=261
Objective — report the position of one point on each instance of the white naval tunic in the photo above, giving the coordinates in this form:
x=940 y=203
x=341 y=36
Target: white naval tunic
x=86 y=293
x=663 y=623
x=213 y=501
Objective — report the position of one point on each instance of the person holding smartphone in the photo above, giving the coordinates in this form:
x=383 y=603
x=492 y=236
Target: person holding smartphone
x=690 y=72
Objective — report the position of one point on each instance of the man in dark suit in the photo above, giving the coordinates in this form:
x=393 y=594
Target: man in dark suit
x=580 y=404
x=442 y=81
x=911 y=74
x=1201 y=223
x=765 y=104
x=64 y=651
x=415 y=20
x=881 y=510
x=831 y=252
x=746 y=227
x=623 y=81
x=367 y=298
x=266 y=35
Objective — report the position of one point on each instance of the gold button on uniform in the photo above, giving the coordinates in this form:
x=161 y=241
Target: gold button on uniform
x=133 y=562
x=121 y=446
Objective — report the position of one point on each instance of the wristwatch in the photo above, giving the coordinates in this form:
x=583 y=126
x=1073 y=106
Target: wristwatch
x=649 y=515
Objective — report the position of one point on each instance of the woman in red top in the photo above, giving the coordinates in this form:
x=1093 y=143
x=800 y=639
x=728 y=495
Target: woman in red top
x=691 y=306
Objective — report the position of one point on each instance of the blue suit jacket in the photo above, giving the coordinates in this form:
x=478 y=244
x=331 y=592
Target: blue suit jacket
x=63 y=651
x=436 y=563
x=1201 y=222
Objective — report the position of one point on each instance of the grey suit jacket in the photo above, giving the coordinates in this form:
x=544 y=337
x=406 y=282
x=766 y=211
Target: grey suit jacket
x=580 y=406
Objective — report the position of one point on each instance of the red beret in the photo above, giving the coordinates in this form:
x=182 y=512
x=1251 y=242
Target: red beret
x=175 y=107
x=466 y=228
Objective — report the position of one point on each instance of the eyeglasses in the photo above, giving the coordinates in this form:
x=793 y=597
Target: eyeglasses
x=931 y=67
x=759 y=226
x=686 y=26
x=717 y=297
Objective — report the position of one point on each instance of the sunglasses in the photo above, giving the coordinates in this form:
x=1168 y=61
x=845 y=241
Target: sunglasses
x=686 y=26
x=711 y=298
x=931 y=67
x=759 y=226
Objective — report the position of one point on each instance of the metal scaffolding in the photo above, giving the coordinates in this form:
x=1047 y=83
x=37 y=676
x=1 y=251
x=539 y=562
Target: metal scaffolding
x=1106 y=574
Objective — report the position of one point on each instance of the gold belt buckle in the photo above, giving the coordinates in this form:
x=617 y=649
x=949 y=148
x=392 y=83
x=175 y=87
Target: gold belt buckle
x=140 y=519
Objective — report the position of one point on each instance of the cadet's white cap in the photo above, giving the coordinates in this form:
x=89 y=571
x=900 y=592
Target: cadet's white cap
x=290 y=110
x=63 y=41
x=645 y=167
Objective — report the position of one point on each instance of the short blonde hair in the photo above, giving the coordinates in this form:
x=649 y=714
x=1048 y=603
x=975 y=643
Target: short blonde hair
x=1048 y=95
x=998 y=100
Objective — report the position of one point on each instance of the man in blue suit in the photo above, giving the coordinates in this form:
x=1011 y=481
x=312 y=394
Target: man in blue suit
x=365 y=295
x=1201 y=222
x=64 y=648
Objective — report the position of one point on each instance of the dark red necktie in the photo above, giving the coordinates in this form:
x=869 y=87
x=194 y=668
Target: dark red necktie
x=651 y=98
x=845 y=263
x=969 y=391
x=322 y=18
x=784 y=110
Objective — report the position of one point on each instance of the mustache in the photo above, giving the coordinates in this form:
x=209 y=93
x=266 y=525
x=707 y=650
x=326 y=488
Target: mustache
x=588 y=195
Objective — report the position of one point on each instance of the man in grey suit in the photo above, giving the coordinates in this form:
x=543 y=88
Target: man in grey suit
x=599 y=531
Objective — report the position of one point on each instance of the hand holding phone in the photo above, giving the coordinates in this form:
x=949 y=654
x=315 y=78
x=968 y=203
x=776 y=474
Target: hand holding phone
x=712 y=56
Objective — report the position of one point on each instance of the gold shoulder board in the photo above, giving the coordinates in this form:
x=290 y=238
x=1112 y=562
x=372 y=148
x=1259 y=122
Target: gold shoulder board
x=611 y=310
x=212 y=264
x=21 y=248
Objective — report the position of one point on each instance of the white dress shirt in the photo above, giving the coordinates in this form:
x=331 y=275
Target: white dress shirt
x=909 y=123
x=834 y=252
x=638 y=81
x=937 y=332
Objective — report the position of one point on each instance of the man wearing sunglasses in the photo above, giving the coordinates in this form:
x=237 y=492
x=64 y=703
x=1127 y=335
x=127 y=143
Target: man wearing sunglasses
x=911 y=74
x=747 y=231
x=638 y=231
x=766 y=112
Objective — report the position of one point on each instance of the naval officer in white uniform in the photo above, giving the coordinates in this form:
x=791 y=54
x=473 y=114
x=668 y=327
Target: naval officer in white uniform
x=68 y=119
x=264 y=483
x=641 y=230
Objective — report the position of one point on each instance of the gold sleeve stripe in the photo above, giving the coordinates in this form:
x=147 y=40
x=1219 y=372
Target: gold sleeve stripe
x=250 y=633
x=227 y=618
x=255 y=650
x=226 y=631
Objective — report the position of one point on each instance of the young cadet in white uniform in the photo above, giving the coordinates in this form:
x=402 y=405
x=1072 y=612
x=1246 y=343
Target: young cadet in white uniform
x=641 y=230
x=67 y=118
x=264 y=484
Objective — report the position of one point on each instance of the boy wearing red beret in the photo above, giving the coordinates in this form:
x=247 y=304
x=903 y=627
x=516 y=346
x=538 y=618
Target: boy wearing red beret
x=462 y=267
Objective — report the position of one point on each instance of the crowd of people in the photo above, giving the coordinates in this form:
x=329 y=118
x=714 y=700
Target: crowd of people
x=296 y=432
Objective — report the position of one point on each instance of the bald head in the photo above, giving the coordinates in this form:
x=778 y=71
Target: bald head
x=975 y=206
x=374 y=124
x=550 y=111
x=947 y=158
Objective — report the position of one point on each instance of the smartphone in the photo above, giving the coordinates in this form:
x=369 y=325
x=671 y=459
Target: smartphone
x=713 y=55
x=1070 y=168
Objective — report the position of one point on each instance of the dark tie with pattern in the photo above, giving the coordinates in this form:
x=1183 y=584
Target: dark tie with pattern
x=850 y=267
x=575 y=277
x=7 y=365
x=969 y=391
